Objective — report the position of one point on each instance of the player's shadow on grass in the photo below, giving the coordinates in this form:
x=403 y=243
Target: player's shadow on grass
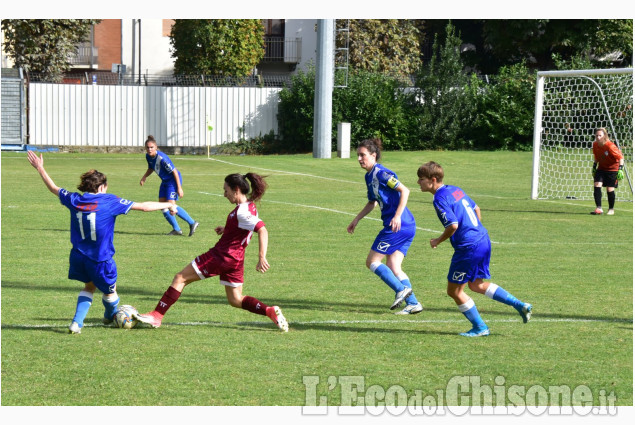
x=535 y=211
x=153 y=296
x=391 y=328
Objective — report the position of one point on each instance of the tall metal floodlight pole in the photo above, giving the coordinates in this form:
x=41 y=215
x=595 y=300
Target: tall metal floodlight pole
x=323 y=118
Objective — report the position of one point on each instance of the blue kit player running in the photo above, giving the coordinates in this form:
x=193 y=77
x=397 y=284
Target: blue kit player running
x=461 y=218
x=93 y=217
x=170 y=189
x=393 y=241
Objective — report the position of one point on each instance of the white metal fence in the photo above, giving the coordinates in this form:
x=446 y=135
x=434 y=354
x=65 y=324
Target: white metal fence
x=94 y=115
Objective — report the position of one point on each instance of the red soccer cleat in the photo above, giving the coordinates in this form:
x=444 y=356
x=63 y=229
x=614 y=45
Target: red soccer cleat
x=152 y=318
x=275 y=314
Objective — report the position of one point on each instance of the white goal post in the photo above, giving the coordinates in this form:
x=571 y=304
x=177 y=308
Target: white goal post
x=569 y=106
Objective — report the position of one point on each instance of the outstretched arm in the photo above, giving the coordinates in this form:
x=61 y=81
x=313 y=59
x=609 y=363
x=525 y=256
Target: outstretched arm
x=153 y=206
x=38 y=164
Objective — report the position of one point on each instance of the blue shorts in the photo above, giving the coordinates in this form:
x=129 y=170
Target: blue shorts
x=388 y=241
x=168 y=189
x=471 y=263
x=103 y=274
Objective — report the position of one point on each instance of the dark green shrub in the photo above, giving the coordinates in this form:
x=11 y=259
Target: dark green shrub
x=505 y=119
x=374 y=105
x=295 y=113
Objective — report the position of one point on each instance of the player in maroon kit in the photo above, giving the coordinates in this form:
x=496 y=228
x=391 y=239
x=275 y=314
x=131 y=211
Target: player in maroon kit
x=226 y=258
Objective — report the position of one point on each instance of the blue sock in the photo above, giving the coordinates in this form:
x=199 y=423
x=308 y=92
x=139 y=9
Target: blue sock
x=384 y=272
x=171 y=219
x=470 y=311
x=84 y=300
x=411 y=299
x=184 y=215
x=497 y=293
x=110 y=302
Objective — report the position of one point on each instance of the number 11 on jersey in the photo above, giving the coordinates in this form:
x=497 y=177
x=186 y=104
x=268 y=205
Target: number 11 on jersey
x=91 y=221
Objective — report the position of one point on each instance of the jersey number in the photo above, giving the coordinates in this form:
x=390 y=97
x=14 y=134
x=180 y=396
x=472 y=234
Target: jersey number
x=91 y=220
x=470 y=212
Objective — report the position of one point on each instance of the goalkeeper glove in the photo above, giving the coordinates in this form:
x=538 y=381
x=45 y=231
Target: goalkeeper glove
x=620 y=173
x=595 y=166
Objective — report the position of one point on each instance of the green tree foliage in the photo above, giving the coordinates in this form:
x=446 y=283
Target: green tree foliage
x=443 y=102
x=383 y=45
x=537 y=40
x=44 y=45
x=231 y=47
x=506 y=110
x=372 y=103
x=295 y=112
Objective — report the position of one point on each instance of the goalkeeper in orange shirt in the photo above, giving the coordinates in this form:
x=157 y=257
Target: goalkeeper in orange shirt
x=608 y=170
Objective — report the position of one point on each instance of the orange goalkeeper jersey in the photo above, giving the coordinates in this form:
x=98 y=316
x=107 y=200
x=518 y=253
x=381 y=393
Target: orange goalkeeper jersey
x=607 y=156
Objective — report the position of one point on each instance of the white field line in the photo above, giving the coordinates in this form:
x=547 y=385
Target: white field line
x=583 y=204
x=328 y=322
x=549 y=243
x=286 y=172
x=320 y=208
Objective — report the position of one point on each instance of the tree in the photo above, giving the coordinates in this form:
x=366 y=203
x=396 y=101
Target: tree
x=44 y=45
x=383 y=45
x=539 y=43
x=443 y=100
x=538 y=40
x=231 y=47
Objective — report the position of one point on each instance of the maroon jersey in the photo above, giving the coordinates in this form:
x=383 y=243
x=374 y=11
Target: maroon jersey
x=241 y=223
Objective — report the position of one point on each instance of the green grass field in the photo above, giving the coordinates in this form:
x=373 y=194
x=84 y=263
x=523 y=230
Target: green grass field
x=576 y=269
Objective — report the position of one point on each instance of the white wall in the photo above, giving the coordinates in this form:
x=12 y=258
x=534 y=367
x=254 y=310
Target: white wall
x=304 y=29
x=155 y=48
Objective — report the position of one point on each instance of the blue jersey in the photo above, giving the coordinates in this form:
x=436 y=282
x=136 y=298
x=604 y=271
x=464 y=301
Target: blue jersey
x=453 y=206
x=381 y=184
x=93 y=221
x=162 y=165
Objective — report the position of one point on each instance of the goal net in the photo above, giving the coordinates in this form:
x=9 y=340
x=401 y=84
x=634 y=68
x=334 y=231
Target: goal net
x=569 y=106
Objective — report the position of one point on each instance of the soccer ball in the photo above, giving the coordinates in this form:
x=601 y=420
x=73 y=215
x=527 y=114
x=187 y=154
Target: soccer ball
x=124 y=318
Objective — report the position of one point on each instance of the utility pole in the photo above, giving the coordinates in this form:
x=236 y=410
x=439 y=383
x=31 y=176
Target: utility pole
x=324 y=80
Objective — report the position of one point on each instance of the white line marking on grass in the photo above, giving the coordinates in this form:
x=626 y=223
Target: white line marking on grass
x=286 y=172
x=320 y=208
x=329 y=322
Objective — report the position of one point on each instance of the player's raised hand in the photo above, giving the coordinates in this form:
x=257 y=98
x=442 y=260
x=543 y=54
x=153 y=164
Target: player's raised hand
x=35 y=161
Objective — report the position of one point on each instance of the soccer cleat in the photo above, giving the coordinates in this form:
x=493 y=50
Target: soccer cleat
x=411 y=309
x=597 y=211
x=193 y=228
x=525 y=312
x=610 y=212
x=275 y=314
x=474 y=332
x=175 y=233
x=400 y=296
x=152 y=318
x=74 y=328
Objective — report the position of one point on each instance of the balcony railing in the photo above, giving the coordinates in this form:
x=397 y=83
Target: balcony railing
x=85 y=55
x=281 y=49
